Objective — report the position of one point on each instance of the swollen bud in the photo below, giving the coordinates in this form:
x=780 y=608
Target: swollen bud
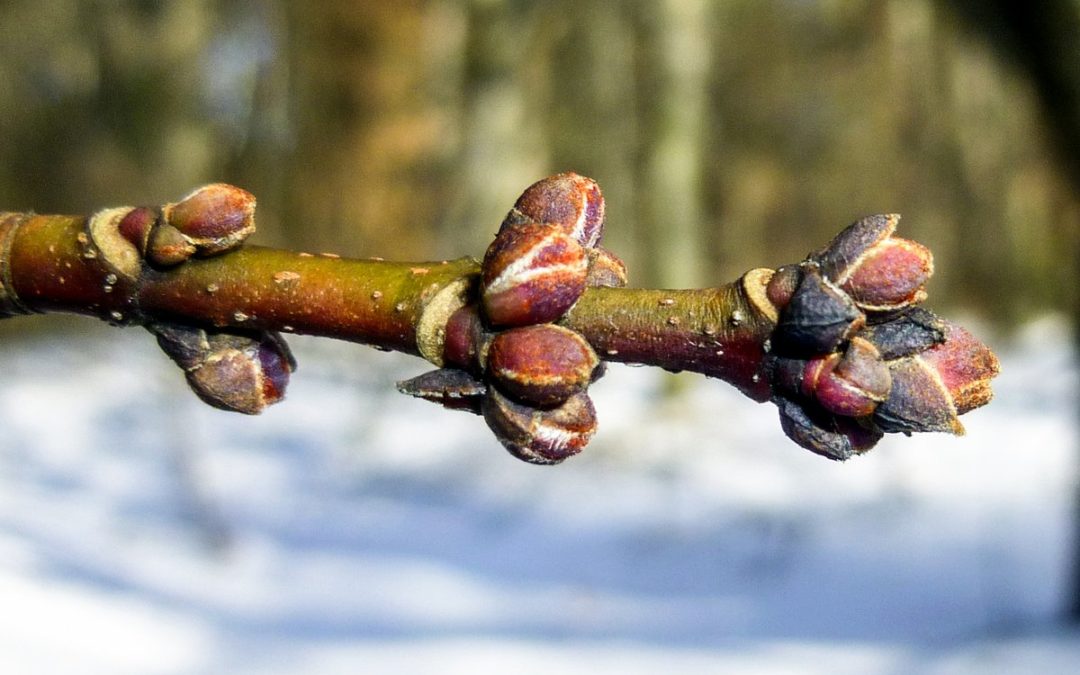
x=849 y=385
x=880 y=272
x=214 y=218
x=542 y=365
x=540 y=436
x=233 y=372
x=570 y=202
x=531 y=274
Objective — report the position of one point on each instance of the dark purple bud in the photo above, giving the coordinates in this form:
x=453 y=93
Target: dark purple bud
x=847 y=248
x=917 y=402
x=904 y=334
x=837 y=438
x=451 y=388
x=464 y=339
x=137 y=224
x=234 y=372
x=818 y=318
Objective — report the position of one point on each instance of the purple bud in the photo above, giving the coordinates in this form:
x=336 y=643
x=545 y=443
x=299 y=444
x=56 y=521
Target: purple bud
x=571 y=202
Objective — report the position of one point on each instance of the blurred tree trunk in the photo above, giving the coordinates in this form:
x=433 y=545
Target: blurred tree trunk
x=505 y=96
x=1041 y=39
x=593 y=118
x=675 y=71
x=367 y=138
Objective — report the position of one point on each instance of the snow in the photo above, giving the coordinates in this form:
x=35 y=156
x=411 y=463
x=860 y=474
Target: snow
x=351 y=529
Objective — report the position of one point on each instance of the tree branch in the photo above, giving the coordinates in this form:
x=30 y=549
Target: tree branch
x=835 y=341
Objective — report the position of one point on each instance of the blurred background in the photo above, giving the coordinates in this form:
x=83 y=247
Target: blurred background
x=346 y=527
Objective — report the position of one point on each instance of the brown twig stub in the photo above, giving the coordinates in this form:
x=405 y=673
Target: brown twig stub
x=838 y=341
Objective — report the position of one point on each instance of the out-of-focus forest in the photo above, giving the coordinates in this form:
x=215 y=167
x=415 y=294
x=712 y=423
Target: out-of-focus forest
x=726 y=135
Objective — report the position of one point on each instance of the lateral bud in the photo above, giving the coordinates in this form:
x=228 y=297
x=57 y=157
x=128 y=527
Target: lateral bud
x=570 y=202
x=817 y=318
x=537 y=435
x=214 y=218
x=837 y=438
x=605 y=269
x=880 y=272
x=452 y=388
x=542 y=365
x=229 y=371
x=531 y=274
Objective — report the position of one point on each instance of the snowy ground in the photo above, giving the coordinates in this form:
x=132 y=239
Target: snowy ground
x=351 y=529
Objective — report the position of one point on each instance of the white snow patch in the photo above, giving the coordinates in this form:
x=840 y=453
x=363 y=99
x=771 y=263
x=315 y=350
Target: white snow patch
x=351 y=529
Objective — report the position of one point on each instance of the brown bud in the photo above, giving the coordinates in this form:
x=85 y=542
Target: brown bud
x=168 y=246
x=137 y=224
x=531 y=274
x=782 y=285
x=215 y=218
x=605 y=269
x=849 y=385
x=234 y=372
x=541 y=365
x=571 y=202
x=537 y=435
x=880 y=272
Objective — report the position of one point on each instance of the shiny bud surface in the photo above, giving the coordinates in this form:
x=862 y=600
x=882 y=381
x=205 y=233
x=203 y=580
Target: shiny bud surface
x=531 y=274
x=540 y=436
x=542 y=365
x=569 y=201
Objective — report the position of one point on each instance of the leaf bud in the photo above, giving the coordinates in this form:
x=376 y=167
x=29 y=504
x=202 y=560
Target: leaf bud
x=215 y=218
x=531 y=274
x=540 y=436
x=542 y=365
x=569 y=201
x=605 y=269
x=230 y=371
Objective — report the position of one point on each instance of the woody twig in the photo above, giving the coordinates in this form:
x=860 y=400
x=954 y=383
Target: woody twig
x=838 y=342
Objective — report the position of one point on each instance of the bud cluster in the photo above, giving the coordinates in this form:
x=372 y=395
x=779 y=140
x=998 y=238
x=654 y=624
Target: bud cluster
x=853 y=357
x=235 y=371
x=506 y=357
